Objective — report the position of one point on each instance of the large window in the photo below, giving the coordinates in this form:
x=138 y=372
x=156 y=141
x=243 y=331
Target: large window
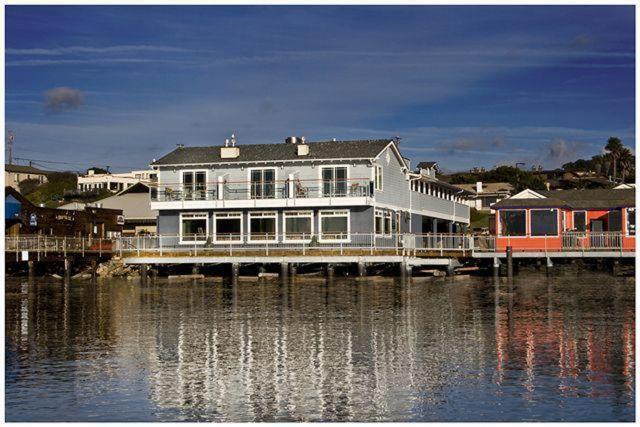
x=631 y=221
x=263 y=226
x=228 y=226
x=379 y=222
x=263 y=183
x=194 y=228
x=615 y=220
x=580 y=221
x=513 y=223
x=378 y=177
x=334 y=181
x=334 y=225
x=194 y=185
x=298 y=225
x=544 y=222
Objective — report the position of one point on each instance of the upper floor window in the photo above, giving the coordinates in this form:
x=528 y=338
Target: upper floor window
x=194 y=185
x=334 y=181
x=263 y=183
x=378 y=177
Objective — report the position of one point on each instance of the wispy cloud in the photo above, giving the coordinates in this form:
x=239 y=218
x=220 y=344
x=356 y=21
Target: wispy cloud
x=71 y=50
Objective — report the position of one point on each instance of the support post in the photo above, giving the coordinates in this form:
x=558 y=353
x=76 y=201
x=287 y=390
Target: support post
x=144 y=270
x=406 y=268
x=32 y=268
x=293 y=270
x=362 y=269
x=330 y=271
x=94 y=268
x=235 y=271
x=496 y=267
x=509 y=262
x=195 y=270
x=67 y=267
x=284 y=270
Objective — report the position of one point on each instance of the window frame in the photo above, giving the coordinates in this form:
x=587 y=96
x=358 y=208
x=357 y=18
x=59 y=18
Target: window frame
x=526 y=225
x=334 y=213
x=296 y=214
x=193 y=215
x=262 y=214
x=193 y=185
x=530 y=220
x=378 y=178
x=378 y=213
x=249 y=182
x=626 y=221
x=573 y=221
x=334 y=167
x=234 y=214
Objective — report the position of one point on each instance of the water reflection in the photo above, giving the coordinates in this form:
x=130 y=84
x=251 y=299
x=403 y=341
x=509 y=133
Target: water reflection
x=470 y=349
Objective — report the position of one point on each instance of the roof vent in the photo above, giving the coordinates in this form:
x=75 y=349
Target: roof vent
x=230 y=152
x=303 y=149
x=291 y=140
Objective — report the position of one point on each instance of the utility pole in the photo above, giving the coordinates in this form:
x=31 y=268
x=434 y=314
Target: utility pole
x=10 y=138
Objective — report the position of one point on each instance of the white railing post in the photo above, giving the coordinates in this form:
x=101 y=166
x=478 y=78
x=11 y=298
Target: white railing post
x=220 y=187
x=160 y=244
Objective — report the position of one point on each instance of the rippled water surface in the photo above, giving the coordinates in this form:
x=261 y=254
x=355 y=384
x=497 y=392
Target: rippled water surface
x=427 y=350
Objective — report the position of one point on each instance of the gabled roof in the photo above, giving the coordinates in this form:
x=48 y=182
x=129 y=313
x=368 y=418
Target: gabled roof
x=24 y=169
x=574 y=199
x=323 y=150
x=489 y=187
x=426 y=165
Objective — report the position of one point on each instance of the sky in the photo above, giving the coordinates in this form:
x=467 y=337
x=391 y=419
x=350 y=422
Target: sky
x=464 y=86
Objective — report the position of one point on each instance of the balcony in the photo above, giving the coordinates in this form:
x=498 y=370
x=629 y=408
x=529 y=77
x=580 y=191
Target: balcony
x=262 y=191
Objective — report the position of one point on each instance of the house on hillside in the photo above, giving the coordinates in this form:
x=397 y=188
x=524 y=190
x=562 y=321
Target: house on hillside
x=554 y=220
x=484 y=194
x=113 y=182
x=15 y=174
x=299 y=191
x=135 y=206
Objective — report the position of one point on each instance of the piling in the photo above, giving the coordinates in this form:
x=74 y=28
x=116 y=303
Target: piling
x=154 y=274
x=284 y=270
x=406 y=269
x=330 y=271
x=32 y=268
x=293 y=270
x=362 y=269
x=509 y=262
x=235 y=271
x=195 y=270
x=94 y=269
x=67 y=267
x=496 y=267
x=144 y=268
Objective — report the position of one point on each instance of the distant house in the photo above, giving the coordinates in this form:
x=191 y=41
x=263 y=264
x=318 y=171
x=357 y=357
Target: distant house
x=135 y=205
x=114 y=182
x=551 y=220
x=486 y=194
x=24 y=217
x=15 y=174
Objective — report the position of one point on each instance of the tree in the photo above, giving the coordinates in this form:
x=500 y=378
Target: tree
x=614 y=147
x=626 y=160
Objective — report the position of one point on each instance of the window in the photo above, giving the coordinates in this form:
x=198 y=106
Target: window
x=227 y=226
x=334 y=181
x=631 y=221
x=298 y=225
x=194 y=228
x=513 y=223
x=615 y=220
x=379 y=222
x=378 y=177
x=334 y=225
x=194 y=185
x=263 y=183
x=580 y=221
x=263 y=226
x=387 y=222
x=544 y=222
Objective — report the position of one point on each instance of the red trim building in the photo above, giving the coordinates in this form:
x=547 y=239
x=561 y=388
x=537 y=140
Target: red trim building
x=566 y=220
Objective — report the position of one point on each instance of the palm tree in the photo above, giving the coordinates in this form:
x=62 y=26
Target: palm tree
x=614 y=147
x=626 y=161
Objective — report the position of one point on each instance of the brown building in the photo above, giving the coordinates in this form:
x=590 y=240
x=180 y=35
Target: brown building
x=24 y=217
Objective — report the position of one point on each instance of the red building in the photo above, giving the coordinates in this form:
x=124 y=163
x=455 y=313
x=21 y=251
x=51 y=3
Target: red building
x=566 y=219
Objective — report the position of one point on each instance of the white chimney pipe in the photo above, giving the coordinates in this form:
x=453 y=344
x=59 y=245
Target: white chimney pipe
x=479 y=187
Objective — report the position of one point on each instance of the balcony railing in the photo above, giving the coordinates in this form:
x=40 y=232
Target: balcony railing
x=296 y=189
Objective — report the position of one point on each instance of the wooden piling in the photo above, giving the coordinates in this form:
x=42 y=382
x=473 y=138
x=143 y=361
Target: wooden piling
x=509 y=262
x=284 y=270
x=362 y=269
x=32 y=268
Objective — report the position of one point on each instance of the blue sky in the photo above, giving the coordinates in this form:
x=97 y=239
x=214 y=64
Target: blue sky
x=464 y=86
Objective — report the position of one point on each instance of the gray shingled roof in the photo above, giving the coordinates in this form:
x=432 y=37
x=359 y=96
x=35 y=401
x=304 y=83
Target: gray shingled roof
x=363 y=149
x=24 y=169
x=574 y=199
x=426 y=165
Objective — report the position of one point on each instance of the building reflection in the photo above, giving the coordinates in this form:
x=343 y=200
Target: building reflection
x=338 y=350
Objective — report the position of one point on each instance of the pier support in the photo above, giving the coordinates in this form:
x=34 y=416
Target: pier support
x=32 y=269
x=330 y=271
x=94 y=269
x=195 y=270
x=235 y=271
x=67 y=267
x=144 y=270
x=154 y=274
x=293 y=270
x=406 y=269
x=362 y=269
x=284 y=270
x=509 y=262
x=496 y=267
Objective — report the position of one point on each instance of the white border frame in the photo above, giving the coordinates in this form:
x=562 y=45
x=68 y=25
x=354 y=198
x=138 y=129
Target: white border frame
x=206 y=181
x=273 y=214
x=321 y=181
x=215 y=231
x=377 y=167
x=191 y=242
x=526 y=224
x=324 y=212
x=546 y=236
x=301 y=214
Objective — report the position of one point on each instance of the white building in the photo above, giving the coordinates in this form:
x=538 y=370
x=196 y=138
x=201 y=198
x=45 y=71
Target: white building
x=114 y=181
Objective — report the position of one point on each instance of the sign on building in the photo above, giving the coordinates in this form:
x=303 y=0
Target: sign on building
x=33 y=219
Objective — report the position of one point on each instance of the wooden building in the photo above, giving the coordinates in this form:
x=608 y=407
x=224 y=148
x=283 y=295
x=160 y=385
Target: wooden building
x=24 y=217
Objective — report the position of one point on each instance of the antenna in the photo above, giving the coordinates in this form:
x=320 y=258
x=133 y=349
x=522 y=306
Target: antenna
x=10 y=137
x=233 y=139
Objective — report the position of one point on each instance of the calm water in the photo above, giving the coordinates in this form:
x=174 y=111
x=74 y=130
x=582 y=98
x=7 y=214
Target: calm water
x=431 y=350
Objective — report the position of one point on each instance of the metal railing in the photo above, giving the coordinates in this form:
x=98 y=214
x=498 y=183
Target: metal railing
x=567 y=241
x=45 y=245
x=592 y=240
x=358 y=187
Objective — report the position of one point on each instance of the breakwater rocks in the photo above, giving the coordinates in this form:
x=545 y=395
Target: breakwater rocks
x=116 y=268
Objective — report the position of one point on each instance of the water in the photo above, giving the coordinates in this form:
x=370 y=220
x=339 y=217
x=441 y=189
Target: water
x=376 y=350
